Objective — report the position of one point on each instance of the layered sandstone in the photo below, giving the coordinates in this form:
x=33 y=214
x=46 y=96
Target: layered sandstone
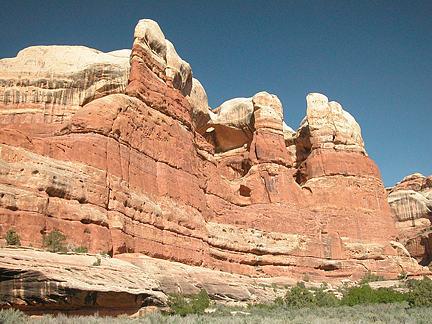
x=153 y=170
x=41 y=282
x=411 y=205
x=48 y=84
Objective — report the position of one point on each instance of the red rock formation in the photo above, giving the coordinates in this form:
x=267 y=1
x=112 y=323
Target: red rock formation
x=411 y=205
x=131 y=173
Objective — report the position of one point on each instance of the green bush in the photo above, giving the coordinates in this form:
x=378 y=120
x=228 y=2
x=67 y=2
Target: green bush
x=299 y=297
x=97 y=262
x=279 y=301
x=325 y=299
x=193 y=304
x=12 y=238
x=420 y=294
x=54 y=242
x=366 y=295
x=81 y=249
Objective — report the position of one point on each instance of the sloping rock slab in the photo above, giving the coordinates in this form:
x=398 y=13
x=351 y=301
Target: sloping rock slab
x=40 y=282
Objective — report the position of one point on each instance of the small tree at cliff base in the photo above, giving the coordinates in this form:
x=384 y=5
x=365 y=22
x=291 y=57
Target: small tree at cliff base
x=299 y=297
x=54 y=242
x=12 y=238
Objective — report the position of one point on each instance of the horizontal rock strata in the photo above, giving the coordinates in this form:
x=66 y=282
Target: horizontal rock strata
x=40 y=282
x=48 y=84
x=152 y=170
x=411 y=205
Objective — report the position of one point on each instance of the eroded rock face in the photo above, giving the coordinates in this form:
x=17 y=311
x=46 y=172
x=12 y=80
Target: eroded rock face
x=40 y=282
x=83 y=284
x=154 y=171
x=230 y=126
x=411 y=205
x=200 y=110
x=50 y=83
x=332 y=127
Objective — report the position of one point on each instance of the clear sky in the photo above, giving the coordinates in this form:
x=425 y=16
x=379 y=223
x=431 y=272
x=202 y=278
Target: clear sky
x=373 y=57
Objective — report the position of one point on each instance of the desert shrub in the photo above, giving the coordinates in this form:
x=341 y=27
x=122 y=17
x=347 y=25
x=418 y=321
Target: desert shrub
x=279 y=301
x=366 y=295
x=402 y=275
x=178 y=304
x=299 y=297
x=81 y=249
x=388 y=295
x=357 y=295
x=325 y=299
x=54 y=242
x=371 y=277
x=420 y=294
x=97 y=262
x=192 y=304
x=371 y=313
x=12 y=238
x=12 y=316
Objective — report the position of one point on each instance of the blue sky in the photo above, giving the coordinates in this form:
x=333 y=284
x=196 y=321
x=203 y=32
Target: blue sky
x=373 y=57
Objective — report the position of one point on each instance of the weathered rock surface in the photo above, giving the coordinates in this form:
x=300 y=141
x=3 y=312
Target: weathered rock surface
x=200 y=110
x=39 y=282
x=332 y=127
x=230 y=126
x=411 y=205
x=153 y=171
x=47 y=84
x=416 y=182
x=42 y=282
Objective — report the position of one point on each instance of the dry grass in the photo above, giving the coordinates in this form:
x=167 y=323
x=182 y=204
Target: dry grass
x=377 y=313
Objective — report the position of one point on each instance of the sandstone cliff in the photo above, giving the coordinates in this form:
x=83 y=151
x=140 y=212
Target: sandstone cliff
x=149 y=168
x=411 y=205
x=47 y=84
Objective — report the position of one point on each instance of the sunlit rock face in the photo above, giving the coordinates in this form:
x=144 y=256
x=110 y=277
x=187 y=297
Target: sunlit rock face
x=50 y=83
x=411 y=205
x=151 y=169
